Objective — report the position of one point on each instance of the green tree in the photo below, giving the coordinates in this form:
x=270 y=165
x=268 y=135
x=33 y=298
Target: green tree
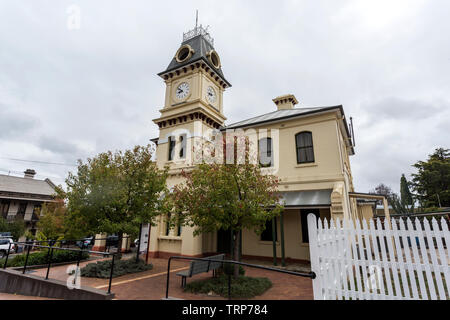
x=228 y=197
x=405 y=194
x=16 y=227
x=431 y=183
x=116 y=192
x=52 y=222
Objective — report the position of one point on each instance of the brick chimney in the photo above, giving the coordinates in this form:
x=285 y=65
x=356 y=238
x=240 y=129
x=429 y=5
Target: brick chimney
x=287 y=101
x=29 y=173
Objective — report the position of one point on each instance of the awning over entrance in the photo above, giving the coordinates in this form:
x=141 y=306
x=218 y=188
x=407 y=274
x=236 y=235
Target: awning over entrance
x=306 y=198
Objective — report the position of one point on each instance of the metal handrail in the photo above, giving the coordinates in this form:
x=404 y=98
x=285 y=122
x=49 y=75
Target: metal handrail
x=67 y=240
x=50 y=255
x=311 y=274
x=60 y=240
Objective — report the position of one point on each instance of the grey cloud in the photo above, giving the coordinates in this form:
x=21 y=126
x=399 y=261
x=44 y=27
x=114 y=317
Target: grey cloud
x=77 y=93
x=57 y=145
x=404 y=109
x=14 y=125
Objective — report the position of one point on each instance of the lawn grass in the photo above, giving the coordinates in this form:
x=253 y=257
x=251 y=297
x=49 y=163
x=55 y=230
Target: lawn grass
x=241 y=287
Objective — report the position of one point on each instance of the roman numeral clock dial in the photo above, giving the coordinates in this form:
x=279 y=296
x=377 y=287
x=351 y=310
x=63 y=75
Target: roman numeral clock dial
x=211 y=95
x=182 y=91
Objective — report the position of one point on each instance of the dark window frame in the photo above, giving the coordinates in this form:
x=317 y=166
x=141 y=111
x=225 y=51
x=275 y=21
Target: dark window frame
x=266 y=235
x=22 y=208
x=309 y=147
x=167 y=224
x=183 y=143
x=172 y=143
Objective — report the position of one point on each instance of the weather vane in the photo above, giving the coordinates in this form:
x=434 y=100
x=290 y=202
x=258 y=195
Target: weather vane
x=198 y=30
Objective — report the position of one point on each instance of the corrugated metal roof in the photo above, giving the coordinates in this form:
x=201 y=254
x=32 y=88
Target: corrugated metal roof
x=26 y=185
x=306 y=198
x=277 y=115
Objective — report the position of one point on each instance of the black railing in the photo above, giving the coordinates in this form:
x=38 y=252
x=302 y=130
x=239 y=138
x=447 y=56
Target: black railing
x=311 y=274
x=74 y=242
x=31 y=245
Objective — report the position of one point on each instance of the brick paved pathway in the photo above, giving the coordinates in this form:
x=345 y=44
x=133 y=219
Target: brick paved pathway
x=151 y=285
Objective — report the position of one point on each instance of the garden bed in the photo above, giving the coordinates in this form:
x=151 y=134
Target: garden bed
x=241 y=287
x=102 y=269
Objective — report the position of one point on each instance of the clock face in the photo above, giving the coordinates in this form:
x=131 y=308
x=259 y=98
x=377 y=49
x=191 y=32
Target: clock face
x=182 y=91
x=211 y=95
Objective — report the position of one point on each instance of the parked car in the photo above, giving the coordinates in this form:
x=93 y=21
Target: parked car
x=85 y=243
x=112 y=241
x=4 y=246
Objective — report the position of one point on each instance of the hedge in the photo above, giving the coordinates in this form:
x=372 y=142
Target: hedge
x=40 y=258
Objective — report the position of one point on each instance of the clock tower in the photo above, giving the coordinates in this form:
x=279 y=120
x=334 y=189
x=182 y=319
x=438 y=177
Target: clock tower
x=193 y=109
x=193 y=100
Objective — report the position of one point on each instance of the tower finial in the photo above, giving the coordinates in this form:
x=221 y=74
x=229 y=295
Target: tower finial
x=196 y=19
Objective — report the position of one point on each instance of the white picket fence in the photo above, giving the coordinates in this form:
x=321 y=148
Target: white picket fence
x=354 y=262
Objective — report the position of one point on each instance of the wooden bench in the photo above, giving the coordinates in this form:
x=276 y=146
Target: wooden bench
x=197 y=267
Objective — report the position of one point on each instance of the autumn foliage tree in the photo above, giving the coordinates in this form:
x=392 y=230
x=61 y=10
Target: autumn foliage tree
x=228 y=196
x=116 y=192
x=52 y=222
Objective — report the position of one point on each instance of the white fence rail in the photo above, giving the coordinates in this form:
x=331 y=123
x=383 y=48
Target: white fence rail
x=409 y=261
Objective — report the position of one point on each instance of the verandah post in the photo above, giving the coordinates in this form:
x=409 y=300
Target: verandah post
x=274 y=241
x=283 y=263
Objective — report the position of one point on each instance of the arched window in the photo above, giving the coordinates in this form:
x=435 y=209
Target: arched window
x=182 y=146
x=171 y=148
x=304 y=145
x=167 y=228
x=265 y=152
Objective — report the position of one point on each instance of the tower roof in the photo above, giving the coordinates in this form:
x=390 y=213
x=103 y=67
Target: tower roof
x=202 y=45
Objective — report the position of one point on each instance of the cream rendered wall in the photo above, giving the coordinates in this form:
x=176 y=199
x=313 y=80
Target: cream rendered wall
x=186 y=244
x=365 y=211
x=325 y=171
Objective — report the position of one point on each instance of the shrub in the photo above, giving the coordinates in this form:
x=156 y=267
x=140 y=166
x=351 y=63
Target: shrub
x=241 y=287
x=40 y=258
x=102 y=269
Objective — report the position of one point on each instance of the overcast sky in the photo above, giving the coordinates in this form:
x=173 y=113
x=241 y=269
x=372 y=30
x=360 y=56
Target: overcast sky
x=68 y=93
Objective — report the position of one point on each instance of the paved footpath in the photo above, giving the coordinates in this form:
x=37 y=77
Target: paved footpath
x=7 y=296
x=151 y=285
